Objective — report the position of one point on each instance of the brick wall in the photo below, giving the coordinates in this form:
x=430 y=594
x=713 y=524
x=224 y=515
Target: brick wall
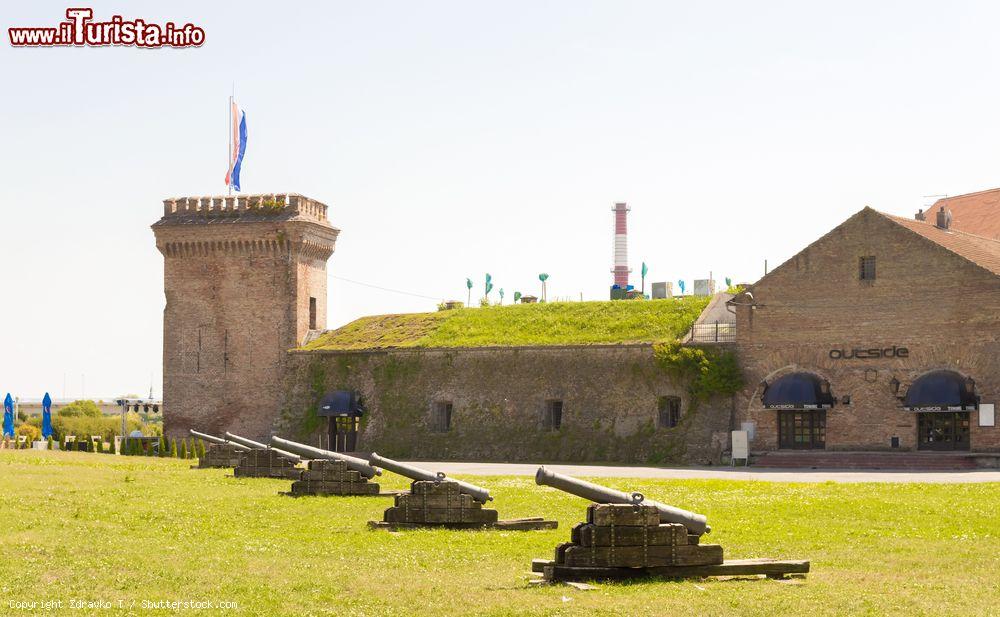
x=945 y=310
x=498 y=397
x=238 y=275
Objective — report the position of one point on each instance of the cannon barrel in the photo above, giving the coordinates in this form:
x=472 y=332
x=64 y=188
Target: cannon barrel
x=696 y=523
x=478 y=493
x=256 y=445
x=359 y=465
x=217 y=440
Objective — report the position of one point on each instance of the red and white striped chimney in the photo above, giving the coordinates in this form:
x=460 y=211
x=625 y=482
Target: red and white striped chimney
x=621 y=269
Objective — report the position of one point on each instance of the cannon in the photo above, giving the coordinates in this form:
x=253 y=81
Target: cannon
x=695 y=523
x=256 y=445
x=359 y=465
x=220 y=453
x=217 y=440
x=435 y=500
x=478 y=493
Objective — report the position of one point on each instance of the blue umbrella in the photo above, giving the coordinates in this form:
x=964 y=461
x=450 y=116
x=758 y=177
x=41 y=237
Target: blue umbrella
x=8 y=416
x=46 y=416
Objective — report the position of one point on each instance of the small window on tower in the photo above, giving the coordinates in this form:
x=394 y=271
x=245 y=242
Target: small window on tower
x=312 y=313
x=866 y=269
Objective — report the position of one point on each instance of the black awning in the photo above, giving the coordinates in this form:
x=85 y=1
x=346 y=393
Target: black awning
x=341 y=403
x=798 y=391
x=941 y=391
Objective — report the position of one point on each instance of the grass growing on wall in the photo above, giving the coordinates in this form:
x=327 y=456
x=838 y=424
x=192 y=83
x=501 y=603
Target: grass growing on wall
x=555 y=323
x=128 y=529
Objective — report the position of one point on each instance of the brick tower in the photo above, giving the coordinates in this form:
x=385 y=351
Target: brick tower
x=245 y=280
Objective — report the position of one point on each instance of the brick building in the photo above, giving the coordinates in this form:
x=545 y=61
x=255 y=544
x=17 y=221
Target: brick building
x=884 y=334
x=245 y=281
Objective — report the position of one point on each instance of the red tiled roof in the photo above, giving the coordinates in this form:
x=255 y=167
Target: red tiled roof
x=984 y=252
x=975 y=213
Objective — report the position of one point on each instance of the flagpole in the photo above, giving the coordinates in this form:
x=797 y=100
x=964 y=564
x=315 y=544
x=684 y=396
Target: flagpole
x=229 y=152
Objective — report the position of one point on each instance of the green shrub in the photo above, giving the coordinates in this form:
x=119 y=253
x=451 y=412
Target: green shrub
x=163 y=445
x=708 y=371
x=80 y=409
x=201 y=449
x=51 y=444
x=105 y=426
x=33 y=433
x=182 y=451
x=173 y=448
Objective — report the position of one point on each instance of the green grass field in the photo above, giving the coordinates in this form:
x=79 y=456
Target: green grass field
x=96 y=527
x=553 y=323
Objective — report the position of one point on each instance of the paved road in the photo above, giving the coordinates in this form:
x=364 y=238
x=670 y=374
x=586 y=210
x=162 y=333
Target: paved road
x=726 y=473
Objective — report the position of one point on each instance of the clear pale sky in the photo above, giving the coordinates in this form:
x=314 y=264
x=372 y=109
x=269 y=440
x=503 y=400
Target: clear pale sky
x=451 y=139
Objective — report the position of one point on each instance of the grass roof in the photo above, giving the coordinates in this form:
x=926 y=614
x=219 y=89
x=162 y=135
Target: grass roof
x=553 y=323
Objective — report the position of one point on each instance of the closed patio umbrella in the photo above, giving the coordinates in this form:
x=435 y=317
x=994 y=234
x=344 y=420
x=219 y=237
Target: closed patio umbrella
x=8 y=416
x=46 y=416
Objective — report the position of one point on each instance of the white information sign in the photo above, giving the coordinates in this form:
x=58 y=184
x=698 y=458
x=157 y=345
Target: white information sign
x=987 y=417
x=741 y=448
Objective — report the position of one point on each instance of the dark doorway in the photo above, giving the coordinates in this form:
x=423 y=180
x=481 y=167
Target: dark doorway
x=802 y=430
x=943 y=430
x=312 y=313
x=343 y=410
x=344 y=433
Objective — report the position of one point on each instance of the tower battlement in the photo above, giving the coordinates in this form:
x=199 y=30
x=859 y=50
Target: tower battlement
x=244 y=278
x=277 y=205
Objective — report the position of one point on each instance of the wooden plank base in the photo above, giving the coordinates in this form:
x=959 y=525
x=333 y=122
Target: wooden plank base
x=640 y=556
x=412 y=515
x=772 y=568
x=279 y=473
x=517 y=524
x=390 y=493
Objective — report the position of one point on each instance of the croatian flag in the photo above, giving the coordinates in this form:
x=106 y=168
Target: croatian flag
x=239 y=145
